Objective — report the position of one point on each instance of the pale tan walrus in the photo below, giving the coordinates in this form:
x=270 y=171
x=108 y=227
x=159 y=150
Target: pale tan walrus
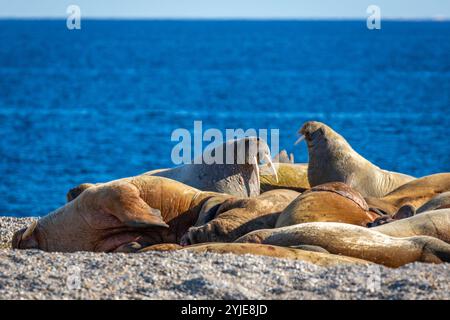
x=318 y=258
x=332 y=159
x=235 y=217
x=355 y=241
x=415 y=193
x=434 y=223
x=332 y=202
x=104 y=217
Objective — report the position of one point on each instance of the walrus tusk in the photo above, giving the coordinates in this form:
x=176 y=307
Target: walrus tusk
x=256 y=170
x=300 y=139
x=27 y=234
x=271 y=166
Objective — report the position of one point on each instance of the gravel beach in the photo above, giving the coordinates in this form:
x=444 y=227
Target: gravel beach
x=34 y=274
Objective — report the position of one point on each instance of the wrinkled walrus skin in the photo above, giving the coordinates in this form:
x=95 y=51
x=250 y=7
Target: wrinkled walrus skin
x=104 y=217
x=292 y=176
x=332 y=159
x=241 y=178
x=354 y=241
x=415 y=193
x=431 y=223
x=329 y=202
x=236 y=217
x=317 y=258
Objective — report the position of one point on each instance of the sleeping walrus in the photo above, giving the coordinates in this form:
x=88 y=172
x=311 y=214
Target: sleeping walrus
x=414 y=194
x=104 y=217
x=329 y=202
x=234 y=217
x=355 y=241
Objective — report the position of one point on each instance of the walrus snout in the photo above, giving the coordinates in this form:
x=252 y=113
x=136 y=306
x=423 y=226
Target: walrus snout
x=25 y=238
x=311 y=130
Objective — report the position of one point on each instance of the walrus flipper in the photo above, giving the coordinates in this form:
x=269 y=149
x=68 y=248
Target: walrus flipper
x=123 y=201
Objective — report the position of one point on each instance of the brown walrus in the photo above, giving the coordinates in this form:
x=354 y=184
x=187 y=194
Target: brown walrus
x=414 y=193
x=318 y=258
x=332 y=159
x=234 y=171
x=434 y=223
x=332 y=202
x=104 y=217
x=293 y=176
x=235 y=217
x=355 y=241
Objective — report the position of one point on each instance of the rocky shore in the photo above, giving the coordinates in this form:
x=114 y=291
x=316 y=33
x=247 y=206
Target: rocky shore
x=35 y=274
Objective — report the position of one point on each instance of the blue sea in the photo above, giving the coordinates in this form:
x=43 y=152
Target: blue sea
x=100 y=103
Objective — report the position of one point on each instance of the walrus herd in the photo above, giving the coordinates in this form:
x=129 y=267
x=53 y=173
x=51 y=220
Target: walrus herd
x=338 y=208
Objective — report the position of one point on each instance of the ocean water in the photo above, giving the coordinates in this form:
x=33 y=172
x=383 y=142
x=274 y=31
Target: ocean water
x=101 y=103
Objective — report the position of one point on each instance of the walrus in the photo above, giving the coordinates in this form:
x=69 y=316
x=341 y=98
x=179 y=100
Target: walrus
x=293 y=176
x=355 y=241
x=235 y=217
x=332 y=159
x=143 y=209
x=239 y=178
x=414 y=193
x=332 y=202
x=317 y=258
x=434 y=223
x=441 y=201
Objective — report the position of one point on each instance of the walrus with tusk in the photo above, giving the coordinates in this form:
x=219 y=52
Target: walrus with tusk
x=104 y=217
x=332 y=159
x=239 y=177
x=355 y=241
x=235 y=217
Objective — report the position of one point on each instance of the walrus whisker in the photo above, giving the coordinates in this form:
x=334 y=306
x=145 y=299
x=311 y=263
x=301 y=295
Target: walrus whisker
x=300 y=139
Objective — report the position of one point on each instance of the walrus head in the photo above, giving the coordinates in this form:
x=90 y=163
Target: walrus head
x=233 y=167
x=26 y=238
x=313 y=131
x=243 y=151
x=102 y=218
